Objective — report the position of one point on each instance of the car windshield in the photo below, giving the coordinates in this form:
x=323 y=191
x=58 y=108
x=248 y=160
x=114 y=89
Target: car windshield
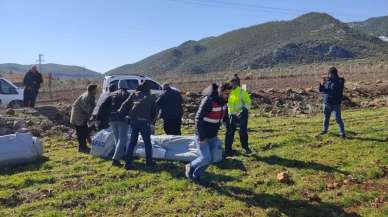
x=131 y=83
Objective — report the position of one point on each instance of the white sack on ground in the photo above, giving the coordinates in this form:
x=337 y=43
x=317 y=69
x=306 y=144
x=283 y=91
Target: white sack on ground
x=19 y=148
x=181 y=148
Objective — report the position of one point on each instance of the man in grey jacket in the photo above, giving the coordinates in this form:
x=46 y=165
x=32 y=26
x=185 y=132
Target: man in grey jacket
x=81 y=112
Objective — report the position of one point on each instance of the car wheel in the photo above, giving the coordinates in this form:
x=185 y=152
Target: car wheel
x=15 y=104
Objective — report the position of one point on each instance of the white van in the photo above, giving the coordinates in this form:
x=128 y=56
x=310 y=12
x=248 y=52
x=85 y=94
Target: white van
x=11 y=96
x=133 y=81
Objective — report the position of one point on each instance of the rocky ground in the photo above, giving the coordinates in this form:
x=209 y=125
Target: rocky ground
x=42 y=121
x=304 y=101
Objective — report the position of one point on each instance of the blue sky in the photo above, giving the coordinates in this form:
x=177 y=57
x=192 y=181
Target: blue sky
x=104 y=34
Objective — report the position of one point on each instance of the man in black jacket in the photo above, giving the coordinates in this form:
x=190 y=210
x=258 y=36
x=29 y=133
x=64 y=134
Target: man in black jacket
x=170 y=104
x=142 y=110
x=332 y=87
x=32 y=82
x=101 y=112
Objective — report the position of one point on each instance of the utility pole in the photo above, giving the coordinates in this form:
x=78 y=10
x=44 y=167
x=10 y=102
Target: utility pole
x=40 y=60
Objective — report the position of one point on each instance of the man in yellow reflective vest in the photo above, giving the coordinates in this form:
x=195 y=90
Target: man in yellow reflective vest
x=239 y=103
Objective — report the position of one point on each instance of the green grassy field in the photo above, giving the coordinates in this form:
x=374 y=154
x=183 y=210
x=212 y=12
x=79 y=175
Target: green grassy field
x=66 y=183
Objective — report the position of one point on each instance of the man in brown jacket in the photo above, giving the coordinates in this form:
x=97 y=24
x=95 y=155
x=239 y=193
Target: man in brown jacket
x=81 y=112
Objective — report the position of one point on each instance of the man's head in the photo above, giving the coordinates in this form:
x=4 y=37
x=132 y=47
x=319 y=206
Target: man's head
x=166 y=86
x=234 y=83
x=224 y=91
x=92 y=89
x=145 y=86
x=333 y=72
x=34 y=68
x=112 y=87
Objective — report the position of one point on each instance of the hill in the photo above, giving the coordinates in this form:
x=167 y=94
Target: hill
x=308 y=38
x=59 y=71
x=377 y=26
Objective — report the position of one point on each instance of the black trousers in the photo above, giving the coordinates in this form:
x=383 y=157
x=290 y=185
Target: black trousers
x=231 y=127
x=29 y=97
x=172 y=126
x=83 y=135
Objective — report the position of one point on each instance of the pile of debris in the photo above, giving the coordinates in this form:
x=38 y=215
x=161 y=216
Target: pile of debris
x=42 y=121
x=303 y=100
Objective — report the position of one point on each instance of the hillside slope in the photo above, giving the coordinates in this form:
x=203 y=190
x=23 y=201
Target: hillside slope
x=59 y=71
x=313 y=36
x=377 y=26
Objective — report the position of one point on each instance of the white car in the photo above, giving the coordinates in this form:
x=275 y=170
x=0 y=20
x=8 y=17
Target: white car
x=11 y=96
x=133 y=81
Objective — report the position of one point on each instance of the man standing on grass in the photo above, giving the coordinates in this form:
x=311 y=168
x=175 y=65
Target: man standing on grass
x=239 y=103
x=81 y=112
x=332 y=87
x=32 y=82
x=170 y=104
x=142 y=110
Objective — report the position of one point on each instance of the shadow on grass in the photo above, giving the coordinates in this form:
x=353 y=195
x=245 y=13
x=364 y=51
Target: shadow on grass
x=291 y=208
x=367 y=139
x=36 y=165
x=177 y=170
x=231 y=164
x=351 y=135
x=273 y=159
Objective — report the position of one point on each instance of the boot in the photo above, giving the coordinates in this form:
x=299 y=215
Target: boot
x=116 y=163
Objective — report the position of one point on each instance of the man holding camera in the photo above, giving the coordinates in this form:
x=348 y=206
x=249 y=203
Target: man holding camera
x=332 y=87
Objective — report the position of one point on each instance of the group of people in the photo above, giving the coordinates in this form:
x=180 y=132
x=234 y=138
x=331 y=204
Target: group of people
x=227 y=104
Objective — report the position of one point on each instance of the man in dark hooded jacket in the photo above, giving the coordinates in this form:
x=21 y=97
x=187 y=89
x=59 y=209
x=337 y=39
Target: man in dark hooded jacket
x=101 y=112
x=32 y=82
x=142 y=110
x=170 y=104
x=332 y=87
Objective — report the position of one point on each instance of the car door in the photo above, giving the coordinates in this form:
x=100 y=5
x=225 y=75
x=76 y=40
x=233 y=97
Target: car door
x=8 y=93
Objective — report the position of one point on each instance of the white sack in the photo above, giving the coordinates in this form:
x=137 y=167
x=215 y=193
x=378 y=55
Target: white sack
x=19 y=148
x=181 y=148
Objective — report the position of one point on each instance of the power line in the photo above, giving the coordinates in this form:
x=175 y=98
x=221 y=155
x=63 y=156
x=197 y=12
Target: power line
x=233 y=5
x=239 y=4
x=253 y=7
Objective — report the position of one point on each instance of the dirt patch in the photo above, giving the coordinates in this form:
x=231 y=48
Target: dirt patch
x=19 y=198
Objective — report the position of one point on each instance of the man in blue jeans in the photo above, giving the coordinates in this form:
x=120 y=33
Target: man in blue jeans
x=142 y=110
x=210 y=115
x=118 y=122
x=332 y=87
